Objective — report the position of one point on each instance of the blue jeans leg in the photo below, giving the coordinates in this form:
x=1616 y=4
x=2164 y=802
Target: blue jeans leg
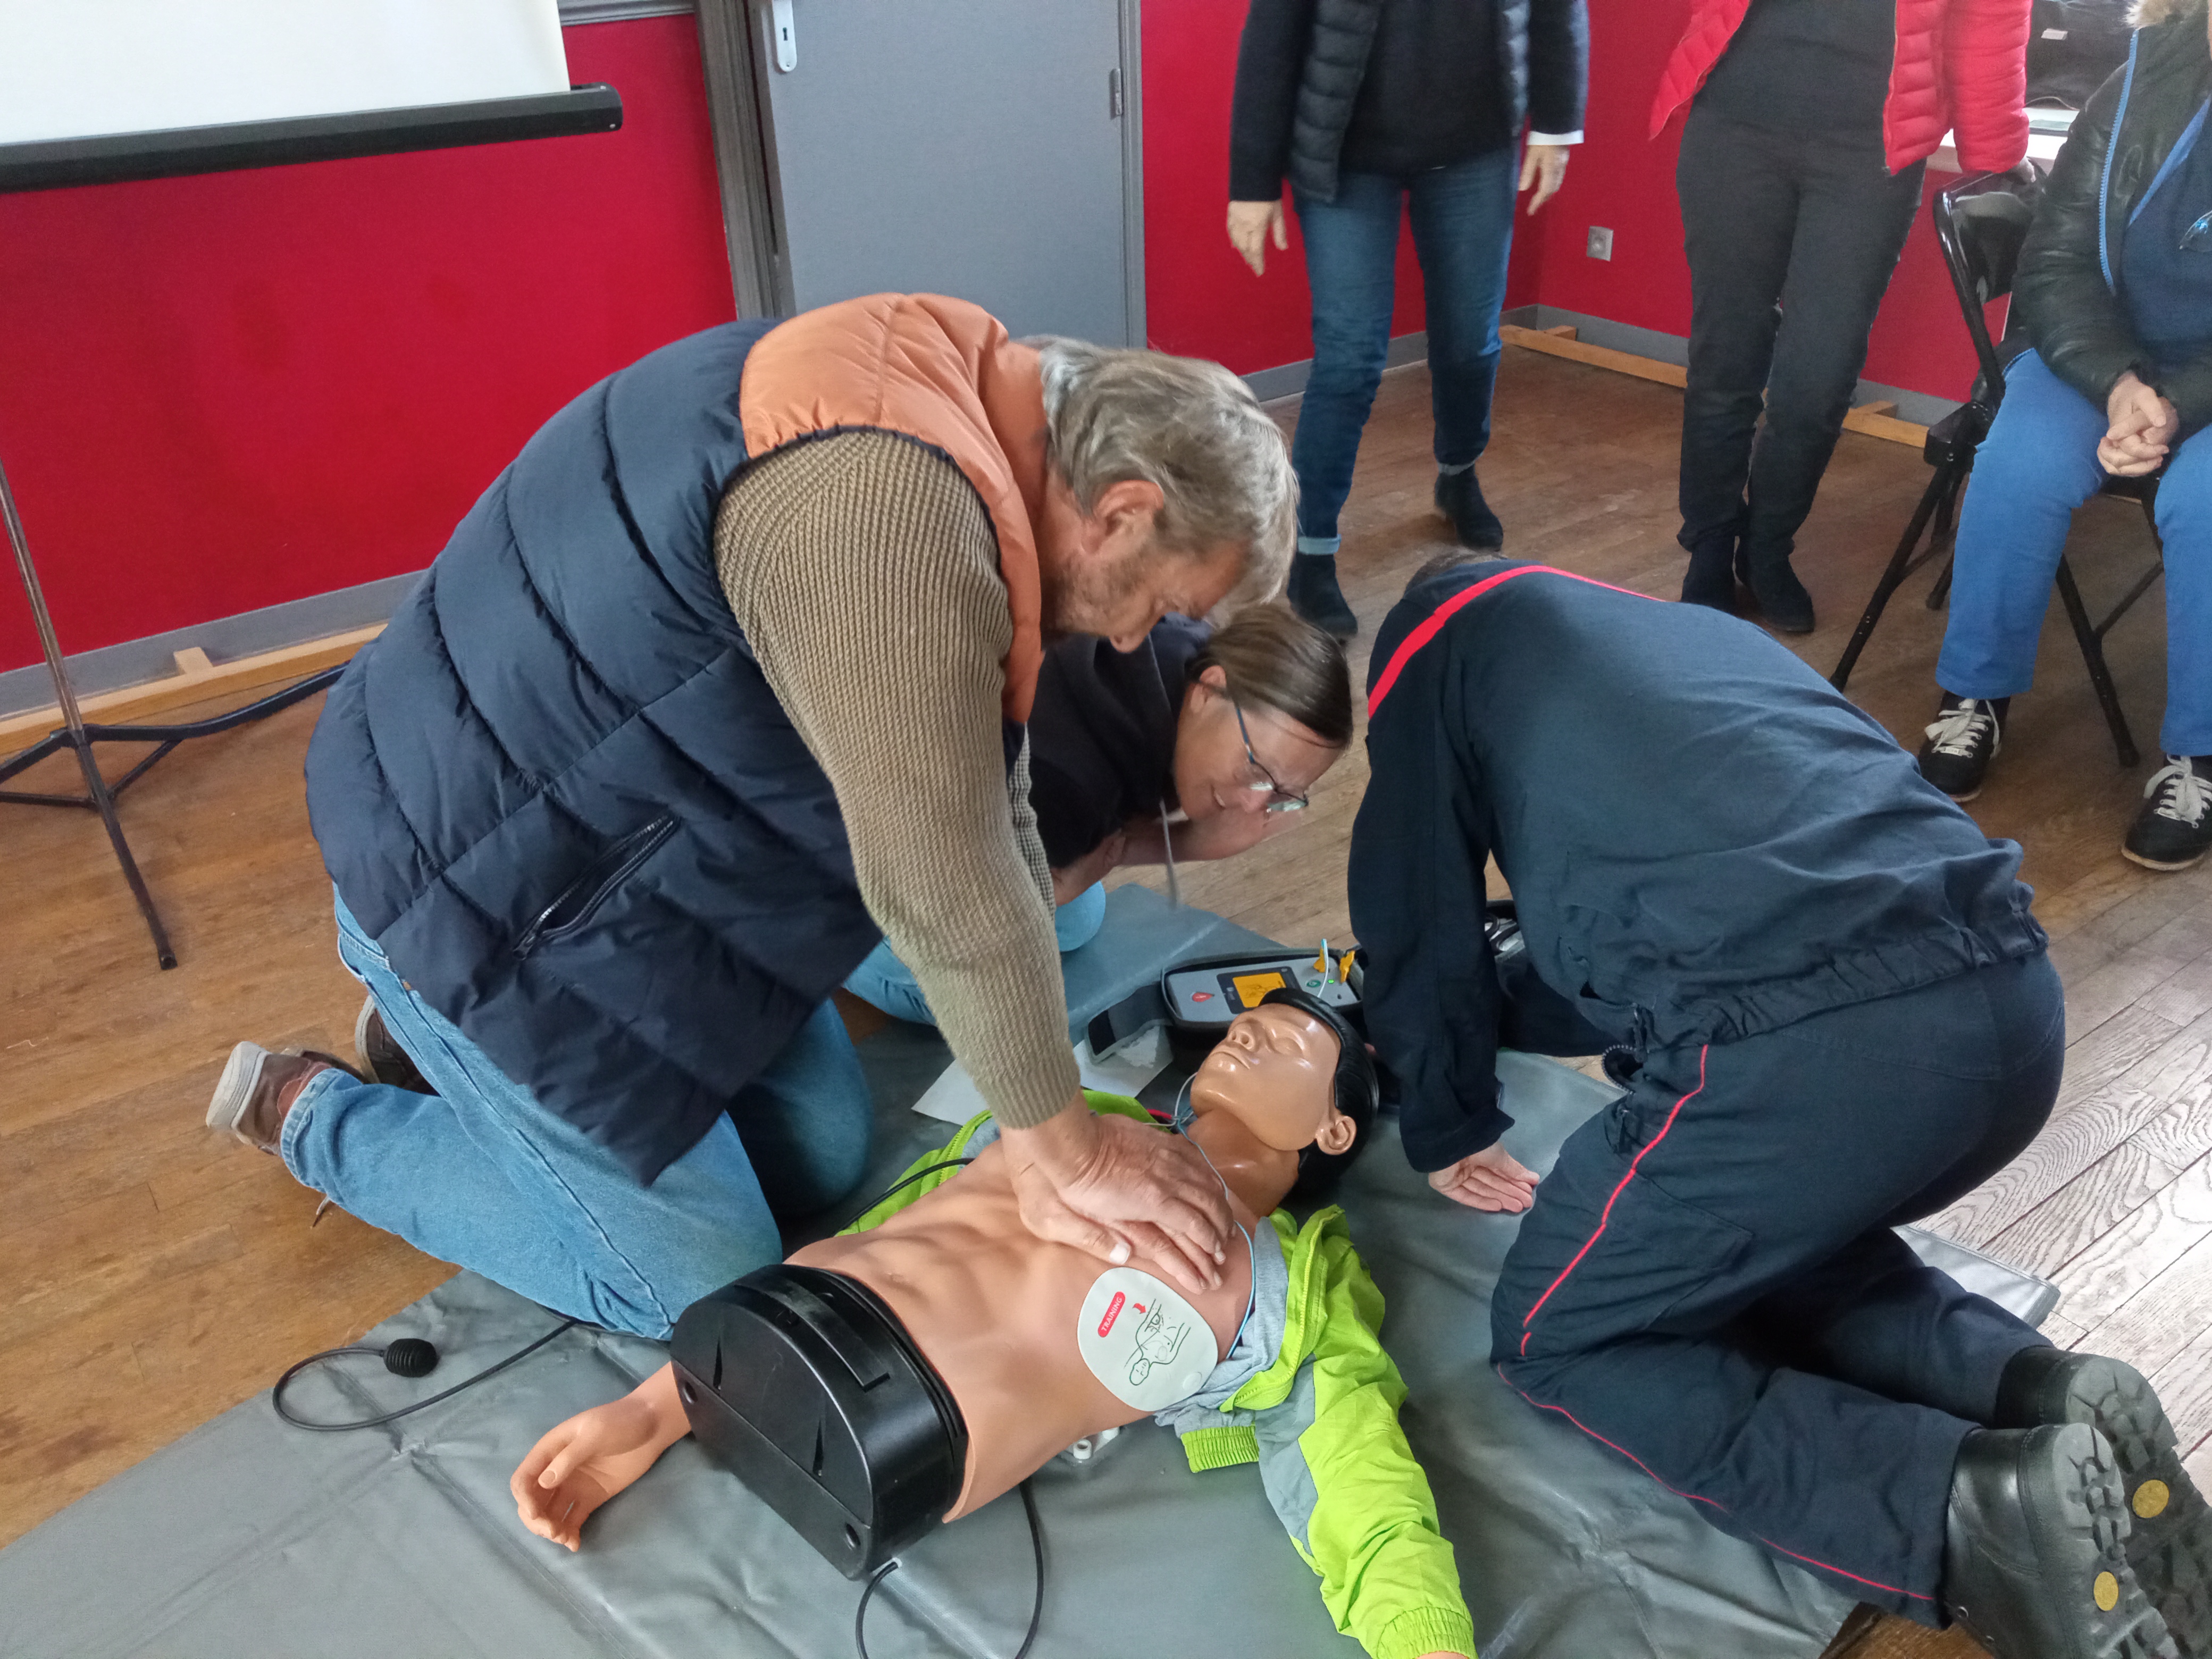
x=2037 y=463
x=882 y=981
x=2185 y=521
x=1351 y=256
x=482 y=1174
x=1462 y=218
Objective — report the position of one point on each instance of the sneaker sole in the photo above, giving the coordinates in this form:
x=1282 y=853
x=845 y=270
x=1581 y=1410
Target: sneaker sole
x=233 y=1089
x=2170 y=1548
x=2163 y=864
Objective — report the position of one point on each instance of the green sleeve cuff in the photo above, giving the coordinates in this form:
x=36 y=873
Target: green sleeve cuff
x=1222 y=1448
x=1424 y=1630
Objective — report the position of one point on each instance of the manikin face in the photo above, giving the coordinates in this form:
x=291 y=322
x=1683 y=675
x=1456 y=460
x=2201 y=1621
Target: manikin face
x=1274 y=1071
x=1103 y=574
x=1215 y=772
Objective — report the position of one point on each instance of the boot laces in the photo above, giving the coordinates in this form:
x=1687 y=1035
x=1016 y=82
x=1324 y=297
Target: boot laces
x=2184 y=793
x=1957 y=731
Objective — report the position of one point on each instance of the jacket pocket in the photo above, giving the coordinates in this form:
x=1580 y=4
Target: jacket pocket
x=576 y=902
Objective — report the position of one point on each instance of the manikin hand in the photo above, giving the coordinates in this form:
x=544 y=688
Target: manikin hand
x=1491 y=1179
x=1249 y=223
x=1117 y=1189
x=2142 y=429
x=1544 y=165
x=586 y=1460
x=1093 y=867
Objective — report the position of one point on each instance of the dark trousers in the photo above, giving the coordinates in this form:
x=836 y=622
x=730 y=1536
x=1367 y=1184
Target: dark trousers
x=1791 y=239
x=1708 y=1284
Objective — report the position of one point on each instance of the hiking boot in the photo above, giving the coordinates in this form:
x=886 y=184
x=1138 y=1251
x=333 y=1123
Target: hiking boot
x=1783 y=604
x=1710 y=578
x=1459 y=498
x=2169 y=1542
x=2174 y=829
x=382 y=1060
x=1967 y=733
x=2035 y=1562
x=1314 y=594
x=256 y=1089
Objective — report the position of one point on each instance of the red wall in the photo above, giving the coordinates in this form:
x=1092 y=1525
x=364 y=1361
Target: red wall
x=1201 y=300
x=224 y=392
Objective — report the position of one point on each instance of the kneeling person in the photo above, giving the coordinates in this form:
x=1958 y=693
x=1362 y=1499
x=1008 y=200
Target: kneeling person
x=998 y=1325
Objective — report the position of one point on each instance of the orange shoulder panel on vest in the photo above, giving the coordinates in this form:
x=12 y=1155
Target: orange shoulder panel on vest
x=939 y=370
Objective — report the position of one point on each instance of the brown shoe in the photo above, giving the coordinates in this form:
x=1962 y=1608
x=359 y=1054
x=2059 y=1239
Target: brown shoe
x=256 y=1089
x=381 y=1056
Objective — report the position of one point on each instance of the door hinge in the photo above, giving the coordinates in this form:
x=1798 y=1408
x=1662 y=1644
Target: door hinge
x=786 y=33
x=1113 y=94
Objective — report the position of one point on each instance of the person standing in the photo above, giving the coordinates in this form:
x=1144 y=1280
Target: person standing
x=1799 y=175
x=723 y=679
x=1370 y=108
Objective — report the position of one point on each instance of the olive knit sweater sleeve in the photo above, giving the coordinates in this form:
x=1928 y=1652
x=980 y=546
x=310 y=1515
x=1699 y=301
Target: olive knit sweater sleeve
x=864 y=572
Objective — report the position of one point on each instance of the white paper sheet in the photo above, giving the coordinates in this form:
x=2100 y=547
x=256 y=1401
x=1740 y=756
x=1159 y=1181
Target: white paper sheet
x=955 y=1098
x=73 y=68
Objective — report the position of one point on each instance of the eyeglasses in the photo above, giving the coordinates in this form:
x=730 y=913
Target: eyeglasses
x=1281 y=799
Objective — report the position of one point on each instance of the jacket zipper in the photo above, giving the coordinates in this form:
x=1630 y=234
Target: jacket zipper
x=576 y=902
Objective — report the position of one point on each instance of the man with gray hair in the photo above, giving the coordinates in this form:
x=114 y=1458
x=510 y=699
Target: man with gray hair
x=724 y=679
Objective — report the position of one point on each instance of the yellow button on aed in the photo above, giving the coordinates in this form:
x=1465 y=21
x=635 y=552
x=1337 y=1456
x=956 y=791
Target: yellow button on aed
x=2107 y=1589
x=2150 y=1498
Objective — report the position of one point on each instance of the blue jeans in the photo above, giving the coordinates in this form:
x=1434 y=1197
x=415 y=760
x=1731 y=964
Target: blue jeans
x=882 y=981
x=2037 y=466
x=482 y=1174
x=1462 y=219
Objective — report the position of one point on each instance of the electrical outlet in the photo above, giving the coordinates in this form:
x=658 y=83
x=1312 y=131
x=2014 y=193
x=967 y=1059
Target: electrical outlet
x=1601 y=242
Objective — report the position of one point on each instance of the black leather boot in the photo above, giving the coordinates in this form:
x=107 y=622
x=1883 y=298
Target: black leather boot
x=2170 y=1540
x=1459 y=498
x=1314 y=594
x=2035 y=1562
x=1710 y=578
x=1782 y=600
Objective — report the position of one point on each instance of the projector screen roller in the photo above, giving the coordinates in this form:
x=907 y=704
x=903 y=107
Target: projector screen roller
x=77 y=69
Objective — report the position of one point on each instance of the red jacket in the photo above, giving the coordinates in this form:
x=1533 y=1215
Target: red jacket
x=1961 y=66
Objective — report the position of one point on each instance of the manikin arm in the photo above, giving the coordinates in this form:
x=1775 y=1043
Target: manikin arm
x=1338 y=1471
x=586 y=1460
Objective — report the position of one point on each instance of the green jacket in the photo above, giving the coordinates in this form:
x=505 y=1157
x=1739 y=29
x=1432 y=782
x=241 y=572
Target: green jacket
x=1323 y=1428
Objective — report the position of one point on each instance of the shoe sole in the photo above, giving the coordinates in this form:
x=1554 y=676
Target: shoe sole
x=2157 y=864
x=2169 y=1547
x=233 y=1089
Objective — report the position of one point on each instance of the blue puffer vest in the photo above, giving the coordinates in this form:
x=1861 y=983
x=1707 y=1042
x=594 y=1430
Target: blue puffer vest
x=560 y=795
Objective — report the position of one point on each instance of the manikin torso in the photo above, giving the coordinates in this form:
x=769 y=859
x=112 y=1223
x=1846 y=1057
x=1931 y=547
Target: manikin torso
x=994 y=1310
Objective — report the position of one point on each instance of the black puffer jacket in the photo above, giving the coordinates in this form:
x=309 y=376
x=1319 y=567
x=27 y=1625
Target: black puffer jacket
x=2068 y=285
x=1311 y=71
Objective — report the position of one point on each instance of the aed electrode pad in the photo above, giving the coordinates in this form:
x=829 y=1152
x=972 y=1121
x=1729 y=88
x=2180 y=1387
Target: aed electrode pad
x=1148 y=1347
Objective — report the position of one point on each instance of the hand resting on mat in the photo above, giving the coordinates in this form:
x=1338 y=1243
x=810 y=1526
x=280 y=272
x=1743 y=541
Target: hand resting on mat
x=582 y=1463
x=1491 y=1179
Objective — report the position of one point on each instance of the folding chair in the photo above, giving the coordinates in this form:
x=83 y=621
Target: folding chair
x=1980 y=224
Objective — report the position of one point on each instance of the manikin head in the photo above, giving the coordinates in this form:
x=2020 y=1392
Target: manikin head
x=1267 y=710
x=1289 y=1094
x=1168 y=489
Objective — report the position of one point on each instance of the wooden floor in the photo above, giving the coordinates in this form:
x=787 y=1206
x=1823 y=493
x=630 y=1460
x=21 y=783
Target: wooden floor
x=152 y=1275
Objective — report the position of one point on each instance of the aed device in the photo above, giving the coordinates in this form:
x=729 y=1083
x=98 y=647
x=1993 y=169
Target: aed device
x=803 y=1384
x=1206 y=995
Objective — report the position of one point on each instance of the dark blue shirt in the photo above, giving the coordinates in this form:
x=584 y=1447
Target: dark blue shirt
x=2165 y=260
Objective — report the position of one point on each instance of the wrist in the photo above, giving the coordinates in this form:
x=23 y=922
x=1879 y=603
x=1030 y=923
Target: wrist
x=1058 y=1143
x=658 y=1397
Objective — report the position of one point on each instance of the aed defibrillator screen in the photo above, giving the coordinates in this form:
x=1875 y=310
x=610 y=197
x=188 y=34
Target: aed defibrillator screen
x=1245 y=991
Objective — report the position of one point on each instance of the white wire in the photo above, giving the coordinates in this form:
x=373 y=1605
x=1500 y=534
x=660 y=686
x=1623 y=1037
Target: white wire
x=1251 y=1249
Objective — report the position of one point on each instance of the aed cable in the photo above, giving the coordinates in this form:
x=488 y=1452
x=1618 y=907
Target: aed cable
x=1037 y=1605
x=409 y=1355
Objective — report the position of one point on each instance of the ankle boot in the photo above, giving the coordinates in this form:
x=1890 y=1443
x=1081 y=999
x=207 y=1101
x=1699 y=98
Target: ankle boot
x=1782 y=600
x=1314 y=594
x=1459 y=498
x=1710 y=578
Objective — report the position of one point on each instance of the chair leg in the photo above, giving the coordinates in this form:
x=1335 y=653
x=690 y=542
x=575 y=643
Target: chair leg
x=2092 y=658
x=1942 y=591
x=1941 y=487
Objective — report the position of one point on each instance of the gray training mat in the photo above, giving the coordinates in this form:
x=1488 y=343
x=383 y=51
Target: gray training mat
x=249 y=1538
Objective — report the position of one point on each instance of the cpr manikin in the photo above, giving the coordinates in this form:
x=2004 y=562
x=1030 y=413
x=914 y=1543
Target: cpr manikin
x=996 y=1350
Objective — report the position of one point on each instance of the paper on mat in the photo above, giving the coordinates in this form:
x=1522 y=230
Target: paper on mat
x=954 y=1099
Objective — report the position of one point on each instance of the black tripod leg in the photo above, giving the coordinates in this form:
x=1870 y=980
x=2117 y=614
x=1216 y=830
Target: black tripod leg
x=2092 y=657
x=104 y=803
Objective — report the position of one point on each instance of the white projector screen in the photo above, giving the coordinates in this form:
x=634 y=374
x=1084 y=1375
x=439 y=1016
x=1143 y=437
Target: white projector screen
x=77 y=69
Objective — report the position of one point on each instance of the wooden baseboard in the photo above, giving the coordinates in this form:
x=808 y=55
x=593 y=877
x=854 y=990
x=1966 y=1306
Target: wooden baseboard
x=195 y=680
x=1875 y=420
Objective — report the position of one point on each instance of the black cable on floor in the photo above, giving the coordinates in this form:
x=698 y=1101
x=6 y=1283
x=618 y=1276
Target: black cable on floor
x=1037 y=1607
x=276 y=1394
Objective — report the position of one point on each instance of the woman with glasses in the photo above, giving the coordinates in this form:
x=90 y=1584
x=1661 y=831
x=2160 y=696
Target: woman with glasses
x=2114 y=289
x=1197 y=744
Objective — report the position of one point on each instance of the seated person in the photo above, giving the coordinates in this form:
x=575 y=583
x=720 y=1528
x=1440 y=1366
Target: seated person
x=2114 y=288
x=1278 y=1108
x=1227 y=728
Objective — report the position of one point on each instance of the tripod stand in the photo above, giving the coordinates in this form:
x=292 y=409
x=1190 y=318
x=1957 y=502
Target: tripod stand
x=75 y=734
